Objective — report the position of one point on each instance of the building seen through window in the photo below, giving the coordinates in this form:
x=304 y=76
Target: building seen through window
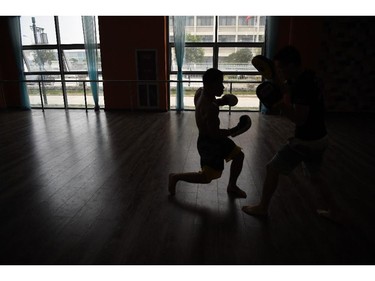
x=225 y=42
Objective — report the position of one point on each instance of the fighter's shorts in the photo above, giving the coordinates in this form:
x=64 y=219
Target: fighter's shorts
x=297 y=151
x=213 y=152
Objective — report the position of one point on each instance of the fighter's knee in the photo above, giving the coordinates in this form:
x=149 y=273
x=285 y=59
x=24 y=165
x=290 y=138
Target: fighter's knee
x=210 y=174
x=241 y=155
x=211 y=177
x=207 y=179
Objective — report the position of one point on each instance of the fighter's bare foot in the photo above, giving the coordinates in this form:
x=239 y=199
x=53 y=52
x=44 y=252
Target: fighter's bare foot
x=256 y=210
x=172 y=184
x=237 y=192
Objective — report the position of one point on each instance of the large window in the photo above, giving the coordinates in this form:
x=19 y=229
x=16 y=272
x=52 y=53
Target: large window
x=55 y=61
x=224 y=42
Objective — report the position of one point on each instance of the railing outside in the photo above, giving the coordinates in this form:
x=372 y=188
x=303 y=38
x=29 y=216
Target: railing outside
x=49 y=92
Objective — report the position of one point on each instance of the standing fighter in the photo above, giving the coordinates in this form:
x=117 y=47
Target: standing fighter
x=303 y=104
x=213 y=143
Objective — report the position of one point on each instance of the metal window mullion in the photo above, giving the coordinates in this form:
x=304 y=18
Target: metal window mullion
x=72 y=46
x=61 y=62
x=41 y=47
x=216 y=47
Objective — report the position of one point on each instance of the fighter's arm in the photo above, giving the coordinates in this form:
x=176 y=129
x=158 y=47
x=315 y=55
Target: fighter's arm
x=297 y=113
x=213 y=125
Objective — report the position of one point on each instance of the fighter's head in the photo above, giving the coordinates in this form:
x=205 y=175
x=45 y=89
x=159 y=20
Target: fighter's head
x=287 y=62
x=213 y=81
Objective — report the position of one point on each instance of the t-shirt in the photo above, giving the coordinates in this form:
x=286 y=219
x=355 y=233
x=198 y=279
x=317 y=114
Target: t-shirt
x=307 y=90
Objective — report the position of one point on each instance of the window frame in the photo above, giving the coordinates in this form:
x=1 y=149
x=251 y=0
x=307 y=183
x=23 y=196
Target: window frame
x=216 y=45
x=60 y=53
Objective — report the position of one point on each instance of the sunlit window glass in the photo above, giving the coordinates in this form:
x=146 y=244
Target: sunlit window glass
x=196 y=59
x=237 y=59
x=75 y=60
x=41 y=60
x=38 y=30
x=44 y=56
x=227 y=21
x=189 y=21
x=229 y=46
x=205 y=21
x=71 y=31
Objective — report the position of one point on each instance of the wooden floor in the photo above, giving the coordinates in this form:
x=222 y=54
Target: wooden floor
x=91 y=188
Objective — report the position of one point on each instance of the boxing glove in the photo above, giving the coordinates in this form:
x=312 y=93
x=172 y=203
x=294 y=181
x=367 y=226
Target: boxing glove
x=230 y=99
x=269 y=94
x=264 y=65
x=227 y=99
x=243 y=125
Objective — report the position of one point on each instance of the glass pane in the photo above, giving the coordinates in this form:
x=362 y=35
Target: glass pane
x=237 y=59
x=191 y=84
x=243 y=86
x=227 y=21
x=196 y=59
x=38 y=30
x=99 y=60
x=241 y=78
x=75 y=85
x=101 y=97
x=202 y=38
x=200 y=29
x=47 y=91
x=245 y=92
x=205 y=21
x=41 y=60
x=204 y=29
x=171 y=38
x=71 y=31
x=33 y=91
x=227 y=38
x=75 y=91
x=241 y=28
x=75 y=60
x=189 y=20
x=194 y=33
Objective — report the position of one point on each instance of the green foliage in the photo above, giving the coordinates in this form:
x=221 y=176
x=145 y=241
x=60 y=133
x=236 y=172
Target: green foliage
x=44 y=56
x=194 y=54
x=241 y=56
